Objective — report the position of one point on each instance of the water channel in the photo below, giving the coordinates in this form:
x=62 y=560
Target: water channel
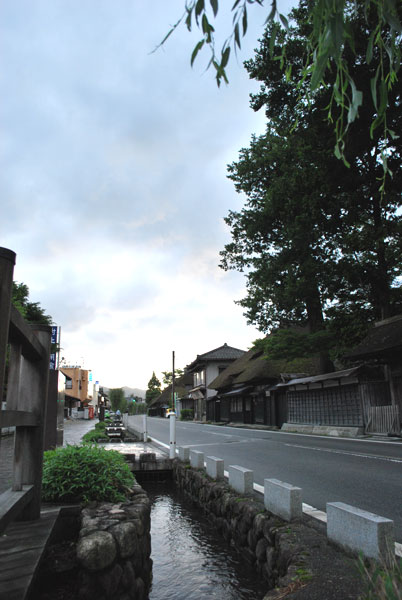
x=191 y=560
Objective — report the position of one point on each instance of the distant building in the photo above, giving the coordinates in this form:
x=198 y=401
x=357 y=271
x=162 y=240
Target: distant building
x=205 y=368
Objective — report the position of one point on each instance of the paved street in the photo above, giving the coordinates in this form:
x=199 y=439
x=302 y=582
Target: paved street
x=363 y=473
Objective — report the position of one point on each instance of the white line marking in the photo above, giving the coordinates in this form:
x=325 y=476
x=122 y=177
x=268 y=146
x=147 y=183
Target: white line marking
x=358 y=454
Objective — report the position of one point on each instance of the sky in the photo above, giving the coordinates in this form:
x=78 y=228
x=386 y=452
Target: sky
x=113 y=180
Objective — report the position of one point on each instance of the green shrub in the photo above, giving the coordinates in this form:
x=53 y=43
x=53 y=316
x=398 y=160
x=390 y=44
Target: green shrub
x=100 y=425
x=186 y=414
x=85 y=473
x=94 y=435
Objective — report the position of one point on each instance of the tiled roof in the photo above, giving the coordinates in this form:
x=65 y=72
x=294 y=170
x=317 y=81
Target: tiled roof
x=224 y=352
x=254 y=368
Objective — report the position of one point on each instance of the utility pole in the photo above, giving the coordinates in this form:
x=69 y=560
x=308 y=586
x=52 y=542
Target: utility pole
x=172 y=418
x=173 y=385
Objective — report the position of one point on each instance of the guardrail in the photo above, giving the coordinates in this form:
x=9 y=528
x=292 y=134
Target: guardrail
x=27 y=348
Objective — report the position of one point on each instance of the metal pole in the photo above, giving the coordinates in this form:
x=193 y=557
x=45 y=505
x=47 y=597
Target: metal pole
x=144 y=423
x=172 y=451
x=173 y=382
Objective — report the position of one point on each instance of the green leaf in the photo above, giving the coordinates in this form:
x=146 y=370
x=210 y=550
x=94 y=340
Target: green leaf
x=369 y=51
x=237 y=36
x=319 y=70
x=284 y=21
x=225 y=57
x=244 y=21
x=196 y=51
x=214 y=4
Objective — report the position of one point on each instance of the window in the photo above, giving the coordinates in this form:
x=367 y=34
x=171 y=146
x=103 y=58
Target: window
x=199 y=378
x=69 y=384
x=236 y=405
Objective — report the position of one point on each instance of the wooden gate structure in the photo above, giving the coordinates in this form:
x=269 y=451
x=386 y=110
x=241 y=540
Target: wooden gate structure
x=28 y=350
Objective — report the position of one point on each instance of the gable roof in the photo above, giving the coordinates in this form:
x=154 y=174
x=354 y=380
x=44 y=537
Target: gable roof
x=383 y=338
x=224 y=352
x=254 y=368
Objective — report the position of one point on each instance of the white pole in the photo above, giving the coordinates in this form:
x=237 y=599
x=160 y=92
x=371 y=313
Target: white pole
x=144 y=422
x=172 y=451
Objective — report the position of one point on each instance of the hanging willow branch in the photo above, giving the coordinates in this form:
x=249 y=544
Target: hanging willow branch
x=330 y=37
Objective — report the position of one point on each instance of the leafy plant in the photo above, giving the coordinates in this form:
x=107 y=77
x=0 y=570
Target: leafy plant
x=85 y=473
x=100 y=425
x=94 y=435
x=186 y=414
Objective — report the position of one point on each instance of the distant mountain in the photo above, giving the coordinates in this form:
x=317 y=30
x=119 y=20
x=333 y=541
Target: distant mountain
x=128 y=391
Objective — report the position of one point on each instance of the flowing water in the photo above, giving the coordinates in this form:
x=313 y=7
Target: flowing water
x=191 y=560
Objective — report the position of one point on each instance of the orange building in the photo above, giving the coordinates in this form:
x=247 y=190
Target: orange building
x=76 y=387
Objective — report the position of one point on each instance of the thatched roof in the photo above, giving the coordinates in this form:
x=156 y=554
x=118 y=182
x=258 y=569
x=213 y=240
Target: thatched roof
x=384 y=338
x=181 y=385
x=254 y=368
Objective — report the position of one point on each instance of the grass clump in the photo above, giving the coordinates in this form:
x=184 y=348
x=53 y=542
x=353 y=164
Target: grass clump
x=94 y=435
x=100 y=425
x=382 y=583
x=85 y=473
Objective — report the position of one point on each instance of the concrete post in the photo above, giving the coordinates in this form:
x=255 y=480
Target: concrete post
x=172 y=451
x=282 y=499
x=241 y=479
x=145 y=428
x=197 y=459
x=215 y=467
x=361 y=531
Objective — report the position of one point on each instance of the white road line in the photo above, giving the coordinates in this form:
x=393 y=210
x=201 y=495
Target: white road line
x=358 y=454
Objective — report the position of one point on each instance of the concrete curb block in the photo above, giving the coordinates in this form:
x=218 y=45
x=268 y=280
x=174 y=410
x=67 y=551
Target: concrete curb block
x=283 y=499
x=215 y=467
x=361 y=531
x=184 y=453
x=241 y=479
x=197 y=459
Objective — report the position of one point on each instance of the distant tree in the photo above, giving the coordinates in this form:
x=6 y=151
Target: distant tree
x=167 y=376
x=117 y=399
x=154 y=388
x=31 y=311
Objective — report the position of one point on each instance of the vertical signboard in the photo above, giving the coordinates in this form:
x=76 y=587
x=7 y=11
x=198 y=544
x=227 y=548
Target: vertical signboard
x=52 y=364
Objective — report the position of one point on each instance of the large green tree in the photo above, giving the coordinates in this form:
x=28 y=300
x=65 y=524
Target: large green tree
x=154 y=388
x=316 y=239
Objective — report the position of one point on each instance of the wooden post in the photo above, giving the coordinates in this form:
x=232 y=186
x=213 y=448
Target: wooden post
x=7 y=262
x=28 y=452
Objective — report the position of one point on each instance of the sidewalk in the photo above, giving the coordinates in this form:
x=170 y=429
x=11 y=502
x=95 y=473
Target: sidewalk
x=74 y=429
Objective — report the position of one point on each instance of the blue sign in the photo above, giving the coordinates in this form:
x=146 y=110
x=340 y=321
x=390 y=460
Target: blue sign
x=54 y=334
x=90 y=375
x=52 y=364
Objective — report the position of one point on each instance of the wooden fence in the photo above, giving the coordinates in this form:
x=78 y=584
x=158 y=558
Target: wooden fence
x=383 y=419
x=28 y=349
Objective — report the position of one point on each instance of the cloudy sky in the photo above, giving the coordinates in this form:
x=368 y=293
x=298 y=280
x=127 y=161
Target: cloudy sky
x=113 y=180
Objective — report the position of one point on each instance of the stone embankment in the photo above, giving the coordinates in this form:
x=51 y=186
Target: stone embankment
x=114 y=548
x=291 y=558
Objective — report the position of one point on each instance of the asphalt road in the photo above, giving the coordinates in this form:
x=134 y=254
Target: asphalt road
x=364 y=473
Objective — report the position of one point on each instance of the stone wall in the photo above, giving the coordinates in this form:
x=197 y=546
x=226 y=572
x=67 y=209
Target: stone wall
x=263 y=540
x=113 y=550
